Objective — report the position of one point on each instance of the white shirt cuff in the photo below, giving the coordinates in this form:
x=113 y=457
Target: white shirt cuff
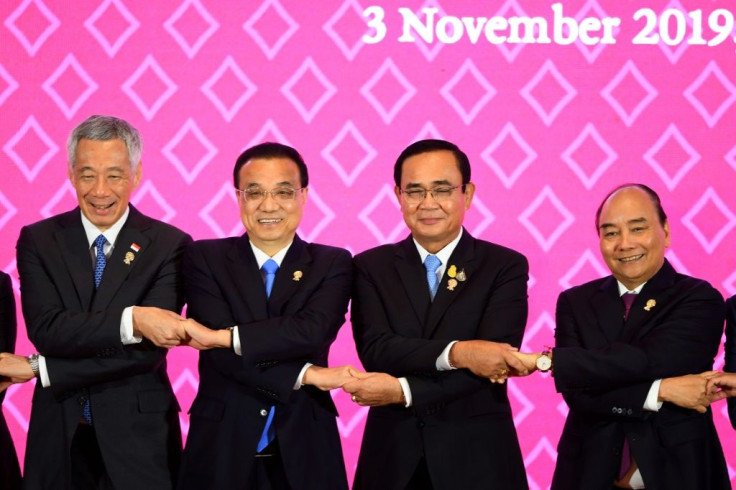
x=126 y=328
x=443 y=361
x=651 y=404
x=300 y=379
x=407 y=391
x=236 y=341
x=43 y=372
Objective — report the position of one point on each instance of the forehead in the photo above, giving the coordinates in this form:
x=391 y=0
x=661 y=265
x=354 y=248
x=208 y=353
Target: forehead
x=269 y=171
x=432 y=166
x=97 y=152
x=626 y=204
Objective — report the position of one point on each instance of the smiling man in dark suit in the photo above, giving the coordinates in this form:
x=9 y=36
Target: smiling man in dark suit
x=99 y=285
x=626 y=346
x=266 y=306
x=433 y=317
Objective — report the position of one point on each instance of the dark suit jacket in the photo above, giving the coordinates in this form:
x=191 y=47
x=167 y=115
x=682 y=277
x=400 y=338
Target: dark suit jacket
x=604 y=368
x=730 y=353
x=460 y=423
x=278 y=336
x=77 y=329
x=9 y=469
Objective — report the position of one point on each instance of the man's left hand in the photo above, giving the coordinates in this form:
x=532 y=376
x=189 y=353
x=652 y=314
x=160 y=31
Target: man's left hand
x=13 y=369
x=375 y=389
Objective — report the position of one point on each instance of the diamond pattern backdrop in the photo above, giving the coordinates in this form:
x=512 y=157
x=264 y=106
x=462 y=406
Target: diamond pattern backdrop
x=549 y=129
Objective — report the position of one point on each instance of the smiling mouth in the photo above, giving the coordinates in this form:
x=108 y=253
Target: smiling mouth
x=269 y=221
x=631 y=259
x=102 y=207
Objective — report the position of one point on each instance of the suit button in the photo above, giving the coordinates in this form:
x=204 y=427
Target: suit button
x=613 y=409
x=628 y=412
x=620 y=410
x=264 y=412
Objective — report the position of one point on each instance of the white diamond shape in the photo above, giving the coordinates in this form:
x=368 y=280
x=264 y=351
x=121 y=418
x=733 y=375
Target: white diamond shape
x=32 y=47
x=525 y=406
x=567 y=221
x=731 y=157
x=249 y=27
x=170 y=25
x=308 y=66
x=509 y=131
x=65 y=190
x=543 y=447
x=189 y=127
x=629 y=68
x=672 y=133
x=430 y=51
x=510 y=8
x=349 y=129
x=468 y=68
x=10 y=407
x=712 y=69
x=12 y=84
x=250 y=88
x=225 y=192
x=10 y=210
x=730 y=283
x=548 y=68
x=678 y=264
x=388 y=66
x=327 y=216
x=591 y=53
x=587 y=258
x=30 y=172
x=710 y=195
x=386 y=193
x=171 y=88
x=149 y=189
x=48 y=86
x=589 y=132
x=133 y=25
x=545 y=327
x=673 y=53
x=262 y=135
x=487 y=215
x=328 y=27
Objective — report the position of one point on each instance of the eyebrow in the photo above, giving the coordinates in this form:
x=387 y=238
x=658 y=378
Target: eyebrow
x=278 y=184
x=413 y=185
x=630 y=222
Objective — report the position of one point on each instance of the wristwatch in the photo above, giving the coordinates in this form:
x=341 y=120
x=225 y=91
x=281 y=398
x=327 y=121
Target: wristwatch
x=544 y=361
x=33 y=361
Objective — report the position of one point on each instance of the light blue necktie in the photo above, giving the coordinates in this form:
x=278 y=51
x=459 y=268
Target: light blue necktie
x=100 y=263
x=432 y=263
x=269 y=268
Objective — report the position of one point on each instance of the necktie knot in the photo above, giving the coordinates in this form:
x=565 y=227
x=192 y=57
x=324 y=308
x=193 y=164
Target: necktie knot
x=269 y=268
x=628 y=299
x=432 y=263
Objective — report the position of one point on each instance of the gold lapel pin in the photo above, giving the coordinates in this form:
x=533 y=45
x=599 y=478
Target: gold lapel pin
x=129 y=257
x=297 y=276
x=461 y=275
x=452 y=271
x=451 y=284
x=650 y=304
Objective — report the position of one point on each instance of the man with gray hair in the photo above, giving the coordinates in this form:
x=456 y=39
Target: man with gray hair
x=100 y=291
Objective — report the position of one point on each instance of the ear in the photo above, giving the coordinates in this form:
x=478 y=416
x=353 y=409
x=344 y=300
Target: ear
x=303 y=196
x=137 y=176
x=469 y=193
x=666 y=228
x=397 y=192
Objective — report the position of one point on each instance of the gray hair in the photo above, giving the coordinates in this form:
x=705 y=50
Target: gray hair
x=105 y=128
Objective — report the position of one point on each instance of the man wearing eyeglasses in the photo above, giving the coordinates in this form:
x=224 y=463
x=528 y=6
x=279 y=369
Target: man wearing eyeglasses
x=264 y=309
x=433 y=317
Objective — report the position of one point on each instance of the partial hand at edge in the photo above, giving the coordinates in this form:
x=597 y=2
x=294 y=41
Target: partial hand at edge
x=375 y=389
x=13 y=369
x=492 y=360
x=202 y=338
x=326 y=378
x=689 y=391
x=162 y=327
x=724 y=383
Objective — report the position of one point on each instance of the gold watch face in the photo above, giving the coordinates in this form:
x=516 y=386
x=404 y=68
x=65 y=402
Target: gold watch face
x=544 y=363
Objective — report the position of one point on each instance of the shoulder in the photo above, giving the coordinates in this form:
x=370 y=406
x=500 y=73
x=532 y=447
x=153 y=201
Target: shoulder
x=157 y=227
x=379 y=254
x=498 y=252
x=319 y=251
x=685 y=286
x=587 y=289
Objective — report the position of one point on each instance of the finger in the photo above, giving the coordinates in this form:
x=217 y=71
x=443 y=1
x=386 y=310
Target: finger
x=515 y=363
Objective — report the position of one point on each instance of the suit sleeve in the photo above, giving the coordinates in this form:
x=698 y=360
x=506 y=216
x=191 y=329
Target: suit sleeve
x=684 y=341
x=7 y=318
x=730 y=354
x=503 y=319
x=76 y=358
x=274 y=349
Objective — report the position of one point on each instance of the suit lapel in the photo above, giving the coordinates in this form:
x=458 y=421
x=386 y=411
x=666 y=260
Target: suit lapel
x=411 y=273
x=609 y=309
x=462 y=259
x=655 y=293
x=295 y=265
x=72 y=242
x=247 y=277
x=133 y=242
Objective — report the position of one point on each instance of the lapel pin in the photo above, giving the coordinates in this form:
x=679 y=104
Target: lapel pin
x=461 y=275
x=297 y=276
x=452 y=271
x=650 y=304
x=451 y=284
x=130 y=256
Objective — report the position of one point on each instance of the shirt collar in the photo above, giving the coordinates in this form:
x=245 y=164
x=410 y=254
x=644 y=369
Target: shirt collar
x=111 y=234
x=262 y=257
x=444 y=254
x=623 y=289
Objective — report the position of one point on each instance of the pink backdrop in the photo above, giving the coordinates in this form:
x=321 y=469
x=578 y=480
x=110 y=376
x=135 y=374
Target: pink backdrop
x=549 y=128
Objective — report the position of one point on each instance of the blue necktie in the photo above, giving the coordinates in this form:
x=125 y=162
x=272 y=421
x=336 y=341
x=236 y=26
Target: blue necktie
x=432 y=263
x=269 y=268
x=100 y=263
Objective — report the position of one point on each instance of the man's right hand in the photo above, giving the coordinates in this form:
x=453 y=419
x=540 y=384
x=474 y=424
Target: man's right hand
x=329 y=378
x=162 y=327
x=492 y=360
x=689 y=391
x=13 y=369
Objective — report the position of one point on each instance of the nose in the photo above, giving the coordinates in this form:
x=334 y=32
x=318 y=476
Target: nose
x=429 y=201
x=626 y=240
x=269 y=203
x=100 y=187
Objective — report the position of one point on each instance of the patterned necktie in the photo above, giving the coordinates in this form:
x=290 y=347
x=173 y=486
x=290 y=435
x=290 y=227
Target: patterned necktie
x=628 y=299
x=269 y=268
x=100 y=263
x=101 y=260
x=432 y=263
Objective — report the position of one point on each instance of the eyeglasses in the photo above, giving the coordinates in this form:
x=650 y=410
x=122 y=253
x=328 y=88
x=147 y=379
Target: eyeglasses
x=281 y=194
x=439 y=194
